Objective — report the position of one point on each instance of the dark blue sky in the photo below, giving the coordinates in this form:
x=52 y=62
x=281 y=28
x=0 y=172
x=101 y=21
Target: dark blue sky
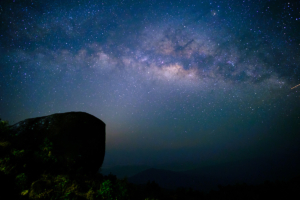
x=190 y=81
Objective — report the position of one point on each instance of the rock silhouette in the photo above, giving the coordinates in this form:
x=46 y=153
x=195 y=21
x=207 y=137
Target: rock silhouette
x=73 y=142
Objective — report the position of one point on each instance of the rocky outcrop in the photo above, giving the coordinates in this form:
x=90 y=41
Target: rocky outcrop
x=72 y=142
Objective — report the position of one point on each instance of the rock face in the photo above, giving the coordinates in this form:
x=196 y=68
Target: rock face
x=72 y=142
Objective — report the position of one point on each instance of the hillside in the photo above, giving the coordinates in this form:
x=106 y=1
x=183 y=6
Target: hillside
x=150 y=184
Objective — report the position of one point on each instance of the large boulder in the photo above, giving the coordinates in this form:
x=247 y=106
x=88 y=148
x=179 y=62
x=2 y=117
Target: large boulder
x=72 y=142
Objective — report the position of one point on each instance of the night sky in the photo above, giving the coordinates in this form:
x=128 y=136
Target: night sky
x=186 y=82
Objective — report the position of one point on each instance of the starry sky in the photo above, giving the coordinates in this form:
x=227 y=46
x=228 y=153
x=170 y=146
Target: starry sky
x=174 y=81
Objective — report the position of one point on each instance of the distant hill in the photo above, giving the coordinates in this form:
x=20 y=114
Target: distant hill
x=122 y=171
x=171 y=180
x=251 y=172
x=205 y=178
x=254 y=171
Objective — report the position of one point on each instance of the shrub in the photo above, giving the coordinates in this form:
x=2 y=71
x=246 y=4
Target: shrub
x=105 y=190
x=45 y=154
x=4 y=130
x=3 y=126
x=21 y=181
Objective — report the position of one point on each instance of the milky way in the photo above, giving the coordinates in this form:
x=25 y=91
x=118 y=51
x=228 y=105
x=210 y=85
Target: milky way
x=172 y=81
